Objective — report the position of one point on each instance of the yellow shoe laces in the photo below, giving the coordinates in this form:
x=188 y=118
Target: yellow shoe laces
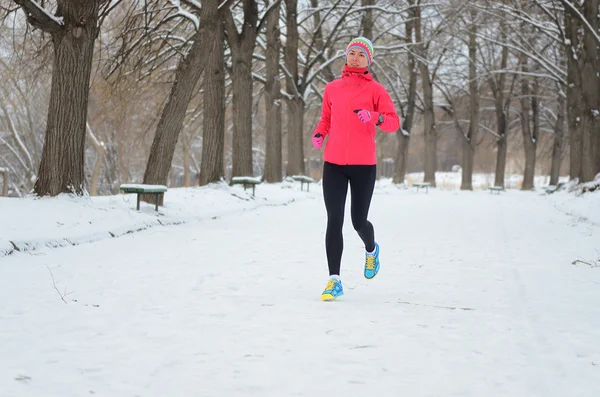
x=330 y=285
x=370 y=264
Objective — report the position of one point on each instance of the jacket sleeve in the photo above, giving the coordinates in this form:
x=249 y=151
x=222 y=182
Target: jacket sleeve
x=325 y=122
x=385 y=106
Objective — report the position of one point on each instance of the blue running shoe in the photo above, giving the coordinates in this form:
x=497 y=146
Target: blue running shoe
x=372 y=263
x=332 y=290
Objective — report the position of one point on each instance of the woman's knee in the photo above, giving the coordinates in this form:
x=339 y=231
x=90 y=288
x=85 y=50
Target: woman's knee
x=335 y=221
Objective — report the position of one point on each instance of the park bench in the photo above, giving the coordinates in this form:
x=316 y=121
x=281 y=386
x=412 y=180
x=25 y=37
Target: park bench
x=496 y=189
x=246 y=181
x=144 y=189
x=303 y=179
x=420 y=185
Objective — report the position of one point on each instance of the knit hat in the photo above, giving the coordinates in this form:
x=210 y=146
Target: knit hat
x=364 y=44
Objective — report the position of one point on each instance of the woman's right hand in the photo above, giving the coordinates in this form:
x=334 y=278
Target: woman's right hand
x=317 y=140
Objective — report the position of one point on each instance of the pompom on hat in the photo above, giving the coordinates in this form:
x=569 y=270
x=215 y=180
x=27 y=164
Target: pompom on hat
x=363 y=44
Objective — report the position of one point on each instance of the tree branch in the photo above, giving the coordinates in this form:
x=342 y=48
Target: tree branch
x=38 y=17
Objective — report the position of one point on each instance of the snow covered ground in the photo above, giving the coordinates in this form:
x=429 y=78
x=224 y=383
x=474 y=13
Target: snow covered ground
x=218 y=295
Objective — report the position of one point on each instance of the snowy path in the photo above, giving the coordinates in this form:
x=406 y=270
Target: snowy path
x=476 y=297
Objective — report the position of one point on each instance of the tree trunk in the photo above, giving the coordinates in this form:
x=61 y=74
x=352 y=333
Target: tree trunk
x=470 y=143
x=62 y=164
x=295 y=141
x=574 y=95
x=273 y=158
x=430 y=131
x=212 y=166
x=366 y=24
x=171 y=120
x=319 y=43
x=186 y=163
x=242 y=117
x=242 y=47
x=5 y=181
x=501 y=111
x=590 y=120
x=407 y=122
x=557 y=149
x=295 y=126
x=529 y=142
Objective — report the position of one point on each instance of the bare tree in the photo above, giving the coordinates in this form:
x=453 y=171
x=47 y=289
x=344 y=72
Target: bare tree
x=212 y=168
x=470 y=139
x=187 y=75
x=497 y=83
x=430 y=130
x=73 y=29
x=295 y=102
x=273 y=159
x=589 y=69
x=558 y=146
x=407 y=113
x=242 y=45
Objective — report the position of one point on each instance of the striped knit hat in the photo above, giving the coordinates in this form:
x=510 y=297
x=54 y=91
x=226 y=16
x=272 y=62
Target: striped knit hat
x=364 y=44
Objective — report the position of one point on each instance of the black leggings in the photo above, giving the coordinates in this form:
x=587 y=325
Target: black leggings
x=335 y=190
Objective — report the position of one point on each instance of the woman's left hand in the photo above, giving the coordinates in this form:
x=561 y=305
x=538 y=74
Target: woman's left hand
x=367 y=117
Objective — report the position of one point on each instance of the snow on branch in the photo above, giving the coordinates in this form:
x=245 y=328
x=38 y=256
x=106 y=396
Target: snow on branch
x=193 y=3
x=555 y=72
x=583 y=19
x=185 y=14
x=38 y=17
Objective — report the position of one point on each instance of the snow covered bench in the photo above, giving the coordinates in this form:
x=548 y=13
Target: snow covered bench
x=143 y=189
x=303 y=179
x=420 y=185
x=246 y=181
x=496 y=189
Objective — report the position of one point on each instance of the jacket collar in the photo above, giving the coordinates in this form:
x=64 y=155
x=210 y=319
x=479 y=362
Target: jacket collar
x=357 y=72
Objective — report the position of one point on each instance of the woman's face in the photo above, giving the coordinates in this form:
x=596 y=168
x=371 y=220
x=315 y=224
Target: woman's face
x=357 y=59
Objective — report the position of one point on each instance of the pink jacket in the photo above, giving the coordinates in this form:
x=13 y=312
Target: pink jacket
x=350 y=141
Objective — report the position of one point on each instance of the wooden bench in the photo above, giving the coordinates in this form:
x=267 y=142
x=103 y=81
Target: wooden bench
x=420 y=185
x=144 y=189
x=303 y=179
x=246 y=181
x=496 y=189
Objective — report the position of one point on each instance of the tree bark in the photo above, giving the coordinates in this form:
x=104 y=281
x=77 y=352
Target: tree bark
x=430 y=131
x=470 y=141
x=407 y=122
x=295 y=105
x=557 y=149
x=319 y=42
x=5 y=181
x=501 y=111
x=242 y=47
x=574 y=95
x=187 y=178
x=273 y=158
x=171 y=120
x=529 y=139
x=212 y=166
x=590 y=120
x=62 y=164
